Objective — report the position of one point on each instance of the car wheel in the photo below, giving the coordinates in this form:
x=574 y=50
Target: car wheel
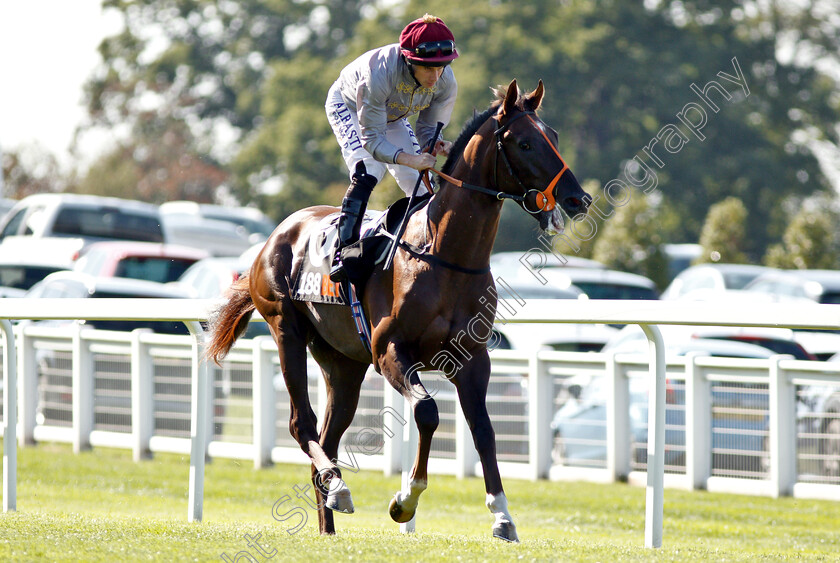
x=558 y=450
x=830 y=446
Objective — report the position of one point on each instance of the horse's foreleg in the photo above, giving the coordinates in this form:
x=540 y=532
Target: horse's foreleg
x=404 y=504
x=471 y=382
x=406 y=381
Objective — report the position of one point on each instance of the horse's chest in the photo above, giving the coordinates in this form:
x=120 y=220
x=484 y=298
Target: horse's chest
x=454 y=330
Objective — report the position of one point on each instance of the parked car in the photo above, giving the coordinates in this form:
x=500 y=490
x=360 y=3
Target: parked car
x=680 y=257
x=822 y=286
x=5 y=205
x=712 y=277
x=527 y=265
x=601 y=283
x=58 y=226
x=565 y=337
x=162 y=263
x=210 y=277
x=803 y=286
x=818 y=415
x=579 y=426
x=820 y=343
x=80 y=285
x=253 y=221
x=719 y=341
x=18 y=274
x=219 y=238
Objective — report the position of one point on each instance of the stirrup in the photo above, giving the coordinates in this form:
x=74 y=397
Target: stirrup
x=337 y=273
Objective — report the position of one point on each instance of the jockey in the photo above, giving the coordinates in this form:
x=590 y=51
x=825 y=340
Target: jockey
x=368 y=107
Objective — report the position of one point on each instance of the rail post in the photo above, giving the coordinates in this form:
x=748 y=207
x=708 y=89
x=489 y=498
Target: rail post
x=655 y=496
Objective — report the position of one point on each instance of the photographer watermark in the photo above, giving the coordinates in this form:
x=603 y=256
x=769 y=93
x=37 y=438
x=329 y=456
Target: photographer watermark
x=640 y=171
x=366 y=441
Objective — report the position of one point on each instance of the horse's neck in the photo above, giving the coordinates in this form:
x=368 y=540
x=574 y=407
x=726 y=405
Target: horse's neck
x=463 y=223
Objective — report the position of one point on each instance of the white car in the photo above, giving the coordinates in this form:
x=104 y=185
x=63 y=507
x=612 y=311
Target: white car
x=525 y=265
x=257 y=226
x=711 y=278
x=69 y=284
x=598 y=283
x=19 y=273
x=822 y=286
x=565 y=337
x=57 y=227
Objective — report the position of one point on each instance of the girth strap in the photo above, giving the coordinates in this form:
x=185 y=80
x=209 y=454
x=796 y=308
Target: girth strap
x=420 y=254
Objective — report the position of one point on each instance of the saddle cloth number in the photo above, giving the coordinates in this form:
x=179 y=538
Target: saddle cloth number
x=315 y=284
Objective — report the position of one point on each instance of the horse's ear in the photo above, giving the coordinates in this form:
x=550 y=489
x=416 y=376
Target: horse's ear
x=534 y=99
x=510 y=98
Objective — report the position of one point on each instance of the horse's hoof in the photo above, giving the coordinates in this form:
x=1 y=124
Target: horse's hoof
x=506 y=531
x=339 y=498
x=398 y=514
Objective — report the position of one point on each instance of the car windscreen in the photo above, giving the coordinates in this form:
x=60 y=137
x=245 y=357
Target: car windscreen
x=737 y=280
x=830 y=298
x=107 y=223
x=24 y=276
x=598 y=290
x=152 y=268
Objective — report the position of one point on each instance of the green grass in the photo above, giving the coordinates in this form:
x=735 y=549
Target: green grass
x=101 y=506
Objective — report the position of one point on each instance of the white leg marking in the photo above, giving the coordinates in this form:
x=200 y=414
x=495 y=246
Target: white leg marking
x=497 y=504
x=408 y=499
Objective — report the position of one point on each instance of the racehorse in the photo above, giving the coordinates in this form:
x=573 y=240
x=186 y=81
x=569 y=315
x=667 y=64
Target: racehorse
x=436 y=303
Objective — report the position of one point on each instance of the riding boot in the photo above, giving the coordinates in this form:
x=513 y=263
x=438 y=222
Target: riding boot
x=352 y=211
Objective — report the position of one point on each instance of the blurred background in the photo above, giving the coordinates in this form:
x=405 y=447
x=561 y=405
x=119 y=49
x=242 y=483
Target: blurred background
x=221 y=102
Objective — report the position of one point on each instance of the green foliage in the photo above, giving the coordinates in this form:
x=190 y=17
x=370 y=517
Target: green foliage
x=631 y=240
x=723 y=236
x=102 y=506
x=29 y=170
x=809 y=242
x=616 y=74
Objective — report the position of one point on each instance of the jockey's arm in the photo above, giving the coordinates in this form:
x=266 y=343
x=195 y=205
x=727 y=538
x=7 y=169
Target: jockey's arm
x=424 y=160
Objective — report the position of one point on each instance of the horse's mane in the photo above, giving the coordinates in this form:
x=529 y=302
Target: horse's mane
x=466 y=134
x=472 y=126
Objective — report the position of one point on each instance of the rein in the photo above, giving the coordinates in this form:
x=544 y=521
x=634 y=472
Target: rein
x=544 y=199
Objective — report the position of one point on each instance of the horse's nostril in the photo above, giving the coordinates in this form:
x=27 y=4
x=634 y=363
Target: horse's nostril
x=575 y=204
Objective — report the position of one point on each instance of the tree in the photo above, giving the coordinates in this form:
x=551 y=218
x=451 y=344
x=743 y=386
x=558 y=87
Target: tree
x=198 y=73
x=619 y=79
x=617 y=73
x=30 y=169
x=631 y=241
x=723 y=236
x=809 y=242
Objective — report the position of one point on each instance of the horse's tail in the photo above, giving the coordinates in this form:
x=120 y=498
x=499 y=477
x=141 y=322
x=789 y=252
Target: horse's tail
x=229 y=320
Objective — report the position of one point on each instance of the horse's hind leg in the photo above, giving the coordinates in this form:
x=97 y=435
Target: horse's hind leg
x=289 y=330
x=343 y=379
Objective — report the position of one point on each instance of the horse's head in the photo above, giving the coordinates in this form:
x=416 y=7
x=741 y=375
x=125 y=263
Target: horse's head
x=529 y=162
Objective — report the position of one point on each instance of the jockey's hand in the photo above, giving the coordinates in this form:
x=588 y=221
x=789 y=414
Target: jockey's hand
x=416 y=161
x=442 y=147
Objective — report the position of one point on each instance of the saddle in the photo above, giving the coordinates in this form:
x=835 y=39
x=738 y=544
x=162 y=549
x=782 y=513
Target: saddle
x=313 y=283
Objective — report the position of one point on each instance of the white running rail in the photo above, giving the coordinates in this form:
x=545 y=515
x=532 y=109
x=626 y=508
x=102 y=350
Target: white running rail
x=647 y=314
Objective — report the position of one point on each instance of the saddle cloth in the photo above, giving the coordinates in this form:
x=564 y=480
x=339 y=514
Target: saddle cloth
x=313 y=280
x=313 y=283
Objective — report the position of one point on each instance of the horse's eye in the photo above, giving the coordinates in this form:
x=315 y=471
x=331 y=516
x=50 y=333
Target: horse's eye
x=525 y=145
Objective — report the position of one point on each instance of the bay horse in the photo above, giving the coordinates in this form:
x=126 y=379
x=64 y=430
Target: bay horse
x=430 y=305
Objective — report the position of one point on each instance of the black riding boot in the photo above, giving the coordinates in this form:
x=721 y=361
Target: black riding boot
x=352 y=211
